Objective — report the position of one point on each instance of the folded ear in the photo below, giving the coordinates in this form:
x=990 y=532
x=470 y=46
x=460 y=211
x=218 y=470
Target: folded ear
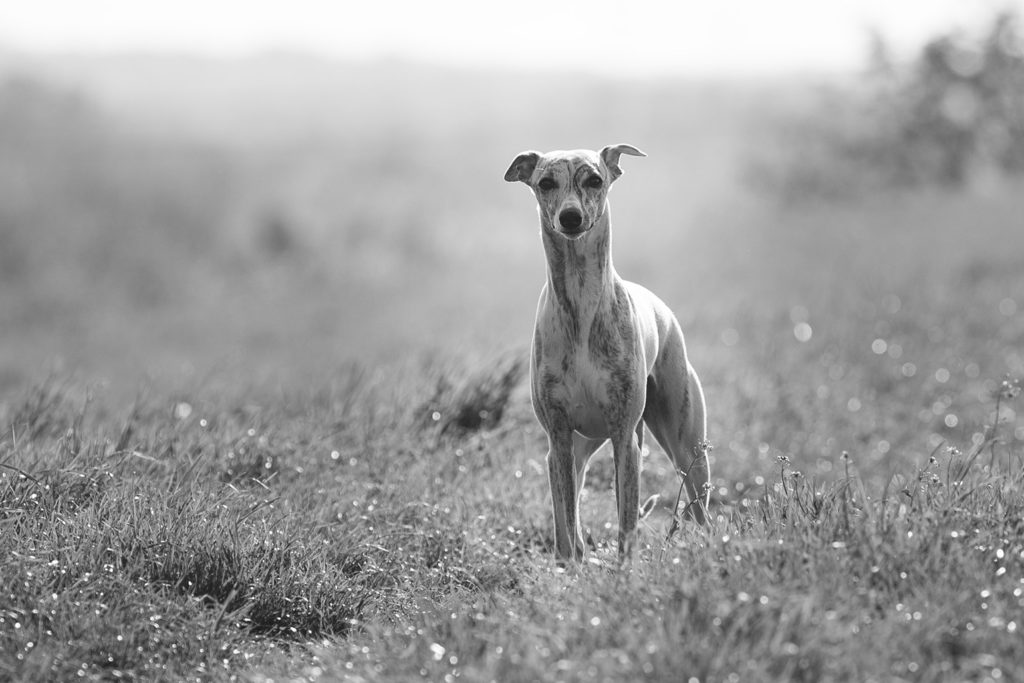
x=522 y=167
x=610 y=157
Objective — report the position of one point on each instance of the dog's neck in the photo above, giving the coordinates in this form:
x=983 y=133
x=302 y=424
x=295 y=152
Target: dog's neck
x=580 y=272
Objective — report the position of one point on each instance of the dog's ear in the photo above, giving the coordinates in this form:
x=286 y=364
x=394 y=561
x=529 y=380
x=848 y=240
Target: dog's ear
x=610 y=157
x=522 y=167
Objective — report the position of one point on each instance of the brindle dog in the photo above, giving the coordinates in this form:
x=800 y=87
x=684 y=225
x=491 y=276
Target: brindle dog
x=608 y=355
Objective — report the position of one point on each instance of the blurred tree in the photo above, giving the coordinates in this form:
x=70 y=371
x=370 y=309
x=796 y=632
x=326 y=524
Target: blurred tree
x=953 y=114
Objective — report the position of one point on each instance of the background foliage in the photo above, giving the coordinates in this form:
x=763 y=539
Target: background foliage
x=950 y=118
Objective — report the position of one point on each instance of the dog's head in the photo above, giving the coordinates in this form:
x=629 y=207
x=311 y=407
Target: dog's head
x=571 y=187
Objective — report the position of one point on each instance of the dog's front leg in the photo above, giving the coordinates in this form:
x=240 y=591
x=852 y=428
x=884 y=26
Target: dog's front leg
x=626 y=452
x=562 y=479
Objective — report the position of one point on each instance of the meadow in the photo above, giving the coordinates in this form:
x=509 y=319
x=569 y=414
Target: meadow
x=265 y=415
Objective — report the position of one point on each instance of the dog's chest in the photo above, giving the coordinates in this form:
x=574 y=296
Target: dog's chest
x=589 y=395
x=596 y=381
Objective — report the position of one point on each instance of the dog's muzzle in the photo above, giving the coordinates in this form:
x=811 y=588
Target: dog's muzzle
x=571 y=221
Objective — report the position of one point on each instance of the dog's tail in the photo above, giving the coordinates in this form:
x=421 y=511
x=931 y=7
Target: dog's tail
x=648 y=505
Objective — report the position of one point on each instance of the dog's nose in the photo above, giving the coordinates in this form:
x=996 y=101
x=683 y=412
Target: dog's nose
x=571 y=219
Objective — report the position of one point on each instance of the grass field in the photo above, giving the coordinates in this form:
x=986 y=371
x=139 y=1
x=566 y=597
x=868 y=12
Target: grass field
x=290 y=436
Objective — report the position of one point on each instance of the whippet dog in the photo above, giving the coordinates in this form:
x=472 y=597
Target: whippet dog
x=608 y=355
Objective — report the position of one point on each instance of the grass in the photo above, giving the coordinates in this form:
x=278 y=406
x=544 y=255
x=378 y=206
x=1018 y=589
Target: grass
x=339 y=534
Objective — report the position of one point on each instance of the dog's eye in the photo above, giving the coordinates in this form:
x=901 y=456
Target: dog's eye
x=547 y=184
x=594 y=182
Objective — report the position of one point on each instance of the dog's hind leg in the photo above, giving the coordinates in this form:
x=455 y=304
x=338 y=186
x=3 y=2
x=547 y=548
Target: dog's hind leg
x=675 y=415
x=582 y=449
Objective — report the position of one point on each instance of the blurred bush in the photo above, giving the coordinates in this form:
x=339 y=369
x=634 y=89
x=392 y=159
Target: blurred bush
x=951 y=117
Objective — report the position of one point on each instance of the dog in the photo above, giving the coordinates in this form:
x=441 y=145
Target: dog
x=608 y=355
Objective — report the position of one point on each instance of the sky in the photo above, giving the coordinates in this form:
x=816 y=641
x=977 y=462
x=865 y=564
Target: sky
x=639 y=37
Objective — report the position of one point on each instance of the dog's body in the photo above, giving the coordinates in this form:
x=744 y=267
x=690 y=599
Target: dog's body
x=608 y=355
